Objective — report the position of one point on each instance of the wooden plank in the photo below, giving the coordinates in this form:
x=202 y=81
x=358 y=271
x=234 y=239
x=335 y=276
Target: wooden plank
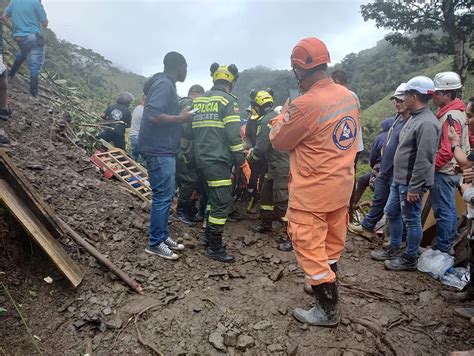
x=40 y=234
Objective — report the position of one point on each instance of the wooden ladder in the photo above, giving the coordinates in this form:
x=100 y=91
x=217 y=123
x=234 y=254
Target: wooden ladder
x=128 y=171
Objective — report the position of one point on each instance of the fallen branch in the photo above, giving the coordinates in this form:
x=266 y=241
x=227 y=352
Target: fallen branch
x=100 y=257
x=378 y=331
x=139 y=335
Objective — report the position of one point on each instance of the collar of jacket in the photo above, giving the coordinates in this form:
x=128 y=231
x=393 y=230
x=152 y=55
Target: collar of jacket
x=419 y=111
x=322 y=83
x=219 y=87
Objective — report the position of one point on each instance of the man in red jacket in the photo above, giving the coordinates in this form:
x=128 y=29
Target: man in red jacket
x=442 y=194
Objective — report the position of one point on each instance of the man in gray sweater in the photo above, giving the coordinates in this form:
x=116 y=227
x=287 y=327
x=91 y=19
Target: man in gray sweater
x=413 y=174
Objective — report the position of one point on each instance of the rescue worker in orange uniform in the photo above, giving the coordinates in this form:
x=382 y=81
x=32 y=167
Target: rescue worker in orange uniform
x=320 y=129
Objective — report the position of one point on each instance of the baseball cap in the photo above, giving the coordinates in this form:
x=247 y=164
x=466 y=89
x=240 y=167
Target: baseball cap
x=399 y=92
x=421 y=84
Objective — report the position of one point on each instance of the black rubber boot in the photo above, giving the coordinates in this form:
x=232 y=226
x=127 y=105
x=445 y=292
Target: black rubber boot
x=204 y=242
x=34 y=83
x=16 y=65
x=180 y=214
x=216 y=249
x=307 y=287
x=263 y=227
x=326 y=312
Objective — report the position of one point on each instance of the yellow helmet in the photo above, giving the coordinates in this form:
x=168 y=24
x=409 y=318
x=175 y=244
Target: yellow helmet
x=262 y=97
x=229 y=73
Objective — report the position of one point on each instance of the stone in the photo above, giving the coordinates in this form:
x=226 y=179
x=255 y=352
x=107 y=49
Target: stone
x=275 y=348
x=245 y=341
x=427 y=297
x=292 y=350
x=262 y=325
x=359 y=337
x=231 y=337
x=217 y=340
x=107 y=311
x=359 y=329
x=113 y=324
x=283 y=310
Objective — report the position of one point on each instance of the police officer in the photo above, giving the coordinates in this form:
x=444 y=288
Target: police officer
x=274 y=195
x=186 y=176
x=218 y=147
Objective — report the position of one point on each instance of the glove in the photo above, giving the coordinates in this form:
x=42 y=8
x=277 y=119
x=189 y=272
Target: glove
x=246 y=171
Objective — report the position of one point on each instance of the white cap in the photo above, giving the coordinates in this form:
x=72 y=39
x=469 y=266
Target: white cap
x=447 y=81
x=399 y=92
x=421 y=84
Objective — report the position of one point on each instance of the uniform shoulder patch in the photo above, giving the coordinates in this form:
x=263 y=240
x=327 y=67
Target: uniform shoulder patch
x=345 y=133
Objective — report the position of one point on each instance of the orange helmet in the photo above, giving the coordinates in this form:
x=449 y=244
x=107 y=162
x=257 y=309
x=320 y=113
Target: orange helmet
x=309 y=53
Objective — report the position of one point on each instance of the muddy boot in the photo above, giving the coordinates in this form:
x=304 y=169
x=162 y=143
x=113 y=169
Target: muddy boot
x=204 y=242
x=16 y=65
x=307 y=287
x=216 y=249
x=403 y=263
x=180 y=214
x=285 y=246
x=326 y=312
x=263 y=227
x=383 y=255
x=34 y=83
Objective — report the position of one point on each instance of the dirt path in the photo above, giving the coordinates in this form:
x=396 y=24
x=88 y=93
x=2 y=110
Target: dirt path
x=193 y=305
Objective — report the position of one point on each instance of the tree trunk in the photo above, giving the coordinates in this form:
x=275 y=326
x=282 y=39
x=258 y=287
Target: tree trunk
x=462 y=57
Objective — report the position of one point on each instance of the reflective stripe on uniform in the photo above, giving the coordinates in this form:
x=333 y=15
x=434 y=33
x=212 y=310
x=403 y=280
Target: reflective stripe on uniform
x=219 y=183
x=208 y=208
x=331 y=262
x=206 y=99
x=207 y=123
x=231 y=118
x=317 y=277
x=267 y=207
x=284 y=219
x=216 y=221
x=238 y=147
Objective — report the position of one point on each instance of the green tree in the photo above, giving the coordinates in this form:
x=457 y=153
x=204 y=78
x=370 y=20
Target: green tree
x=443 y=27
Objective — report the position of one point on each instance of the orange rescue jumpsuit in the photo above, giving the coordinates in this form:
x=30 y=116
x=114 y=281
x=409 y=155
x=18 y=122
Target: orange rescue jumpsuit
x=321 y=131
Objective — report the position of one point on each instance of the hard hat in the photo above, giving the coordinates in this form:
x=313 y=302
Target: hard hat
x=421 y=84
x=309 y=53
x=399 y=92
x=447 y=81
x=261 y=97
x=229 y=73
x=125 y=98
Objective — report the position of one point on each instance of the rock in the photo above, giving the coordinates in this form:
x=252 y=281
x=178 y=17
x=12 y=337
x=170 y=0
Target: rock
x=292 y=268
x=275 y=348
x=277 y=275
x=217 y=340
x=359 y=329
x=231 y=337
x=189 y=243
x=264 y=282
x=345 y=321
x=250 y=240
x=113 y=324
x=292 y=350
x=71 y=309
x=275 y=260
x=186 y=236
x=79 y=324
x=245 y=341
x=283 y=310
x=107 y=311
x=225 y=287
x=235 y=274
x=359 y=337
x=304 y=326
x=262 y=325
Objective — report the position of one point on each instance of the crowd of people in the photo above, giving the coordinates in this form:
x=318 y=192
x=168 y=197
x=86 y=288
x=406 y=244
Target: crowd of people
x=298 y=161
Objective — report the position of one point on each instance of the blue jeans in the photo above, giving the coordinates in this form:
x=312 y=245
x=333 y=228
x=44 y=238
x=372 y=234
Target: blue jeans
x=443 y=202
x=32 y=48
x=161 y=174
x=381 y=193
x=134 y=147
x=398 y=211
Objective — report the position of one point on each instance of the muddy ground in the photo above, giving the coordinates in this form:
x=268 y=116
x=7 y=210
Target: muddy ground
x=193 y=305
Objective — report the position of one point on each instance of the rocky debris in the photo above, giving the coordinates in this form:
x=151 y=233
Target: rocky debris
x=275 y=348
x=262 y=325
x=231 y=338
x=216 y=339
x=245 y=341
x=277 y=275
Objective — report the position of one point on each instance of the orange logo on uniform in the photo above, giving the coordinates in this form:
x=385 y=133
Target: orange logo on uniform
x=345 y=133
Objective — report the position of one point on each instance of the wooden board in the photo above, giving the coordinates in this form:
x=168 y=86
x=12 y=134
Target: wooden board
x=36 y=217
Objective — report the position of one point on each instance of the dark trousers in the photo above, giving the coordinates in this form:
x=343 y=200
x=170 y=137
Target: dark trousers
x=186 y=179
x=273 y=199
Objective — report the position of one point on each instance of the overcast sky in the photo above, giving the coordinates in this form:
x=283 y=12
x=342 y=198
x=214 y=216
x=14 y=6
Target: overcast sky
x=136 y=34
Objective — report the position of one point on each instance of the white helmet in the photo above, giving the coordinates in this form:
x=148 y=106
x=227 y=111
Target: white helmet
x=421 y=84
x=447 y=81
x=399 y=92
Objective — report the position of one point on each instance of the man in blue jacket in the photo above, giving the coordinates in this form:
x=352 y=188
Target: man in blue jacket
x=158 y=143
x=27 y=19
